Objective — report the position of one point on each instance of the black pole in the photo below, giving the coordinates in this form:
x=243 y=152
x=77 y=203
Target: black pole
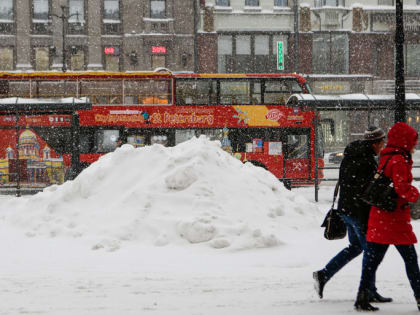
x=17 y=170
x=400 y=114
x=75 y=151
x=296 y=9
x=195 y=36
x=63 y=19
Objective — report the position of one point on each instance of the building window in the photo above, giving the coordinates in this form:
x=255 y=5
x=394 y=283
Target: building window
x=248 y=53
x=158 y=61
x=418 y=2
x=6 y=58
x=252 y=3
x=6 y=17
x=331 y=3
x=41 y=58
x=225 y=3
x=412 y=61
x=112 y=22
x=40 y=16
x=112 y=10
x=6 y=10
x=112 y=58
x=387 y=2
x=158 y=9
x=280 y=3
x=330 y=53
x=243 y=57
x=262 y=53
x=41 y=10
x=77 y=16
x=224 y=54
x=77 y=58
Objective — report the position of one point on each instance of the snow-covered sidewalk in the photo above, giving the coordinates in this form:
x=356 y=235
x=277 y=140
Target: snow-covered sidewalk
x=184 y=230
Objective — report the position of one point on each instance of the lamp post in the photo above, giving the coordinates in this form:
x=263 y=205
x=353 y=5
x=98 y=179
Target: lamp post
x=64 y=18
x=296 y=11
x=400 y=114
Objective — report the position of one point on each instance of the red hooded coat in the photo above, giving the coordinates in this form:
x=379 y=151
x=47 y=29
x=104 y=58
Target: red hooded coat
x=394 y=227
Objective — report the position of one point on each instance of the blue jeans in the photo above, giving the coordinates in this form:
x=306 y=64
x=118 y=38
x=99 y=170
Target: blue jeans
x=373 y=256
x=357 y=239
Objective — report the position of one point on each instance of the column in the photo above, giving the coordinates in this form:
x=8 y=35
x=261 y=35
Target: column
x=23 y=40
x=94 y=36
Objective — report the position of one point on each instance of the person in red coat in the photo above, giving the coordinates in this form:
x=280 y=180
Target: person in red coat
x=393 y=227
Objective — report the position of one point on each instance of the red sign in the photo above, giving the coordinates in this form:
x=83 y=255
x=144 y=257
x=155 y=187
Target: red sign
x=111 y=51
x=158 y=49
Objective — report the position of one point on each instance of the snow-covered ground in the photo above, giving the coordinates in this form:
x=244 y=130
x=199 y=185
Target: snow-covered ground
x=183 y=230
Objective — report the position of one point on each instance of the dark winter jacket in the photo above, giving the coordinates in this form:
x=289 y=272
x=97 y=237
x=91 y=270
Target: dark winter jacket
x=357 y=168
x=394 y=227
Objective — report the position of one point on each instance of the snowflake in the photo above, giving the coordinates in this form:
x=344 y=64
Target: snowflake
x=242 y=116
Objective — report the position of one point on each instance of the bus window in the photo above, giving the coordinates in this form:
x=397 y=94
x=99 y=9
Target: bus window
x=182 y=135
x=130 y=100
x=56 y=88
x=159 y=139
x=102 y=92
x=19 y=88
x=278 y=91
x=106 y=140
x=234 y=92
x=136 y=140
x=298 y=147
x=193 y=92
x=212 y=134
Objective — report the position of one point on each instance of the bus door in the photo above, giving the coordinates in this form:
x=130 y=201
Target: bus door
x=297 y=158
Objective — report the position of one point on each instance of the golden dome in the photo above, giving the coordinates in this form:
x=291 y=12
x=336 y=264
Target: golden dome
x=27 y=137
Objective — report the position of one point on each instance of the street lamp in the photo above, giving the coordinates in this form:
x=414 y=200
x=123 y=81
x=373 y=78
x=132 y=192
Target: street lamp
x=296 y=20
x=400 y=114
x=64 y=18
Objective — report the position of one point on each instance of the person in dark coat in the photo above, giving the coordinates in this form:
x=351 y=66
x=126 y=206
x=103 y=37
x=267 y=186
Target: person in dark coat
x=393 y=227
x=356 y=170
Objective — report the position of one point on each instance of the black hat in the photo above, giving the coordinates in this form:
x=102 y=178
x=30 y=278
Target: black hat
x=374 y=133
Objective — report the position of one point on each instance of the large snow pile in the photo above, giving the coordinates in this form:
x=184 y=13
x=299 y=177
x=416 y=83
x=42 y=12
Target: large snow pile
x=188 y=194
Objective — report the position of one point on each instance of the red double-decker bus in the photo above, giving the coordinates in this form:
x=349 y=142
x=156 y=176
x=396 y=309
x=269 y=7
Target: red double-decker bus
x=247 y=113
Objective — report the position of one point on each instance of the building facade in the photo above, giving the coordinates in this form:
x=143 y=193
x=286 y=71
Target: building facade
x=110 y=35
x=342 y=46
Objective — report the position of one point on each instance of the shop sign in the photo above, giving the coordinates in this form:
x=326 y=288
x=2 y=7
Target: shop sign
x=331 y=87
x=115 y=51
x=158 y=49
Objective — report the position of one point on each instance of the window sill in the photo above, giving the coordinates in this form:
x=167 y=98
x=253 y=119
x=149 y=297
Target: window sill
x=276 y=9
x=222 y=8
x=252 y=9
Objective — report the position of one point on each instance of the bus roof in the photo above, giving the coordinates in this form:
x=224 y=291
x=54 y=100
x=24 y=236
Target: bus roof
x=84 y=75
x=237 y=75
x=352 y=101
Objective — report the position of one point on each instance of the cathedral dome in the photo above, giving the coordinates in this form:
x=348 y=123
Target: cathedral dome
x=27 y=137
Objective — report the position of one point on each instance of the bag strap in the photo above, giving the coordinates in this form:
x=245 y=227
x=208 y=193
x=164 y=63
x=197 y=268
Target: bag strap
x=337 y=186
x=381 y=170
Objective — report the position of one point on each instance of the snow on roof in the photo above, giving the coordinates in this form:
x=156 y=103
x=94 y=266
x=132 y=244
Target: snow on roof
x=348 y=97
x=29 y=101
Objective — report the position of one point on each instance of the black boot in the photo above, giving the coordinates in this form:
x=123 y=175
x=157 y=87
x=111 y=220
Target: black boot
x=320 y=282
x=362 y=302
x=375 y=297
x=418 y=303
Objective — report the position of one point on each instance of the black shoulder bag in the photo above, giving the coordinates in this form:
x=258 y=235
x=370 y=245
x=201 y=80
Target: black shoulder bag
x=335 y=228
x=380 y=191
